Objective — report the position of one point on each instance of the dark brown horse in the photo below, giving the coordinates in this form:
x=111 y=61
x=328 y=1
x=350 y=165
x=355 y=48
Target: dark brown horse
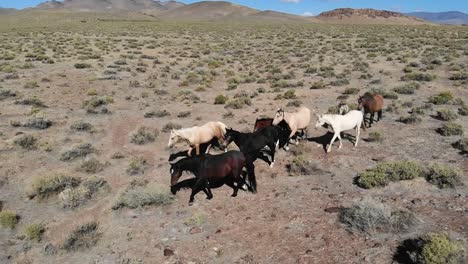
x=212 y=171
x=371 y=103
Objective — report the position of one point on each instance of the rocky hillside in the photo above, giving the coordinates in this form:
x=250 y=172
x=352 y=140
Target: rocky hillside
x=367 y=16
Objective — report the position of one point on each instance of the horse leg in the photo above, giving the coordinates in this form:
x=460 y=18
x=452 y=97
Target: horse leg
x=333 y=140
x=272 y=153
x=263 y=157
x=189 y=151
x=339 y=138
x=199 y=186
x=251 y=174
x=293 y=133
x=358 y=132
x=380 y=115
x=208 y=149
x=197 y=149
x=372 y=116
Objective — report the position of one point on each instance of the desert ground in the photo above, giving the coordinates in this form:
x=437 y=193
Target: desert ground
x=86 y=106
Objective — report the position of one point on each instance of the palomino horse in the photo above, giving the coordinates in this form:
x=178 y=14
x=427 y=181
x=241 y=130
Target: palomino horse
x=339 y=123
x=211 y=171
x=371 y=103
x=213 y=144
x=197 y=135
x=296 y=121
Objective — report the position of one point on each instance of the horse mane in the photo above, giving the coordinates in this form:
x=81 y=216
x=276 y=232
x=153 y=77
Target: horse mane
x=368 y=96
x=264 y=119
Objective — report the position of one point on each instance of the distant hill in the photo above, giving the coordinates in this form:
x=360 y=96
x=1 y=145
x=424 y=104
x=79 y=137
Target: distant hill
x=7 y=11
x=451 y=17
x=209 y=10
x=368 y=16
x=102 y=5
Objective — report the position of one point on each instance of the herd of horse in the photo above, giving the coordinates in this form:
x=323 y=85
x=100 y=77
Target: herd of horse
x=236 y=168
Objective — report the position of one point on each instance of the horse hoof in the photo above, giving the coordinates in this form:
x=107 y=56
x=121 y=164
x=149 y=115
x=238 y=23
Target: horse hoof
x=287 y=148
x=190 y=203
x=233 y=195
x=328 y=150
x=272 y=164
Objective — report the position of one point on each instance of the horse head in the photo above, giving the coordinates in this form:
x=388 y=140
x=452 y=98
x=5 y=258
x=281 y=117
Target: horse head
x=173 y=138
x=320 y=121
x=228 y=137
x=278 y=117
x=176 y=172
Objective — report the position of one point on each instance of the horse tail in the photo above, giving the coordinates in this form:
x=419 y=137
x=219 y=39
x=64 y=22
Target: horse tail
x=185 y=184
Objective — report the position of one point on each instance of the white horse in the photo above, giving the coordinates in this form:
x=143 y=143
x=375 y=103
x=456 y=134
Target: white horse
x=343 y=108
x=297 y=121
x=340 y=123
x=197 y=135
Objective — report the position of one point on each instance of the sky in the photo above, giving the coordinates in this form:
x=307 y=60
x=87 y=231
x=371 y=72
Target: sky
x=314 y=7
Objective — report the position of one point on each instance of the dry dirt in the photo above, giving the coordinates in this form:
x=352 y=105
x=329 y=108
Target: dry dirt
x=292 y=218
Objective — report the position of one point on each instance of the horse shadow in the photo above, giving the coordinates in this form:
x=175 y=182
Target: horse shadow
x=324 y=140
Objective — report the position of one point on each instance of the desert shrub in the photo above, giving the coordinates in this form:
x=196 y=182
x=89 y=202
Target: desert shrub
x=196 y=219
x=144 y=135
x=446 y=115
x=136 y=166
x=6 y=94
x=184 y=114
x=34 y=232
x=410 y=119
x=450 y=129
x=51 y=184
x=34 y=101
x=441 y=98
x=26 y=142
x=170 y=126
x=84 y=236
x=340 y=82
x=463 y=110
x=8 y=219
x=387 y=172
x=37 y=123
x=433 y=249
x=294 y=103
x=30 y=85
x=143 y=196
x=370 y=216
x=443 y=176
x=158 y=114
x=73 y=197
x=408 y=88
x=97 y=104
x=375 y=137
x=220 y=99
x=81 y=126
x=82 y=65
x=318 y=85
x=300 y=165
x=351 y=91
x=90 y=166
x=418 y=76
x=238 y=103
x=459 y=76
x=462 y=145
x=78 y=151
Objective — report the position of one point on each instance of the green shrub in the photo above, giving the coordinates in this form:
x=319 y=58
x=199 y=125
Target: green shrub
x=238 y=103
x=418 y=76
x=446 y=115
x=440 y=249
x=351 y=91
x=84 y=236
x=290 y=94
x=443 y=176
x=170 y=126
x=387 y=172
x=462 y=145
x=34 y=101
x=411 y=119
x=300 y=165
x=463 y=110
x=34 y=232
x=441 y=98
x=26 y=142
x=30 y=85
x=136 y=166
x=370 y=216
x=408 y=88
x=8 y=219
x=318 y=85
x=37 y=123
x=375 y=137
x=81 y=126
x=82 y=65
x=90 y=166
x=78 y=151
x=221 y=99
x=144 y=135
x=450 y=129
x=143 y=196
x=50 y=184
x=158 y=114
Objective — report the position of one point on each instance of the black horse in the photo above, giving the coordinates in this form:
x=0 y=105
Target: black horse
x=203 y=147
x=283 y=129
x=211 y=171
x=253 y=144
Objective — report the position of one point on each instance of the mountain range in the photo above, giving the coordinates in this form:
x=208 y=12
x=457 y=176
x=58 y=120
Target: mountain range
x=215 y=10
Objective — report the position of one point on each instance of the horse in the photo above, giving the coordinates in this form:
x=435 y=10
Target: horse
x=211 y=171
x=197 y=135
x=371 y=103
x=282 y=128
x=339 y=123
x=343 y=108
x=214 y=143
x=296 y=121
x=252 y=144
